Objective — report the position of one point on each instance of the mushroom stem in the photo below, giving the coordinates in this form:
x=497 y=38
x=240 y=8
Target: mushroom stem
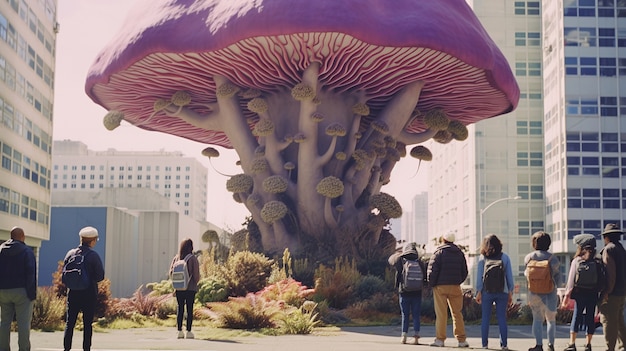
x=416 y=138
x=328 y=214
x=399 y=110
x=326 y=157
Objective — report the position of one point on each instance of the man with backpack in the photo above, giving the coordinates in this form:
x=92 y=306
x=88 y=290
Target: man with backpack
x=410 y=280
x=447 y=269
x=584 y=283
x=543 y=276
x=78 y=263
x=496 y=286
x=612 y=298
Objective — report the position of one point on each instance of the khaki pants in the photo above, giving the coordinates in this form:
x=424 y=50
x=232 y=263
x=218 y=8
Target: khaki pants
x=449 y=296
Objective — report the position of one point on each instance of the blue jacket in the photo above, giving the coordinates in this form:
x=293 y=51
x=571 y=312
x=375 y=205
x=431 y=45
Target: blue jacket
x=18 y=268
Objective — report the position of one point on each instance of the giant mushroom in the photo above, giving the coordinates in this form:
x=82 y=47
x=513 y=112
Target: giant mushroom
x=331 y=88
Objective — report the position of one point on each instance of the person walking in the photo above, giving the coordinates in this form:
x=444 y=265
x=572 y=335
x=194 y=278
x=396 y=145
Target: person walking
x=83 y=299
x=185 y=297
x=495 y=285
x=583 y=285
x=447 y=269
x=410 y=280
x=18 y=289
x=542 y=274
x=612 y=298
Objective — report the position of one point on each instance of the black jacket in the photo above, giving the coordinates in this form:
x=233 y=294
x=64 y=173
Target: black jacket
x=447 y=266
x=18 y=268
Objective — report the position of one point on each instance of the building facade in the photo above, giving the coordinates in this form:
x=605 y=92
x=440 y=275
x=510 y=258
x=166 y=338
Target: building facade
x=183 y=179
x=28 y=31
x=478 y=181
x=585 y=117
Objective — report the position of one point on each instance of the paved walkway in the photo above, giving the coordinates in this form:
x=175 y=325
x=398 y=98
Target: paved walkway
x=385 y=338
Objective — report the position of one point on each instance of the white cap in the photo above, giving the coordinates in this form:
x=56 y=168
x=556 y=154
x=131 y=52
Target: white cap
x=88 y=232
x=449 y=237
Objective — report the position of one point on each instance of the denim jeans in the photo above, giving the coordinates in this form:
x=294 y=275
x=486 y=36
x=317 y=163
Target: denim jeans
x=15 y=302
x=410 y=306
x=543 y=307
x=501 y=300
x=584 y=313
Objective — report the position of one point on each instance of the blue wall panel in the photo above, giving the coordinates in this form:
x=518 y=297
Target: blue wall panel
x=65 y=223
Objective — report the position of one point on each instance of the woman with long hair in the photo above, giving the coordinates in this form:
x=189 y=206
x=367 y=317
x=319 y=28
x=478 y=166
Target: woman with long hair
x=495 y=285
x=585 y=297
x=185 y=298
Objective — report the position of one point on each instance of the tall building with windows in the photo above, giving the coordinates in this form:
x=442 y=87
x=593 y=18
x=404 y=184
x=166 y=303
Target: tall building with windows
x=28 y=31
x=474 y=183
x=172 y=175
x=585 y=116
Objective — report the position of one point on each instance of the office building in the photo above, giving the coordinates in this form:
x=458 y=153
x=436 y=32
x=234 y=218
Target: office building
x=183 y=179
x=477 y=181
x=28 y=31
x=585 y=117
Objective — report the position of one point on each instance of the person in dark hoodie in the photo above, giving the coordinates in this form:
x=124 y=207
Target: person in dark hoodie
x=447 y=270
x=612 y=298
x=410 y=301
x=84 y=300
x=18 y=289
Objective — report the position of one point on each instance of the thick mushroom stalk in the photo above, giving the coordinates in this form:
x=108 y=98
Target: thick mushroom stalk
x=334 y=98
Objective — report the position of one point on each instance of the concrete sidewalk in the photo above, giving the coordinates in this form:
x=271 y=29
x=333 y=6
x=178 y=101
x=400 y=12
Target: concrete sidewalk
x=385 y=338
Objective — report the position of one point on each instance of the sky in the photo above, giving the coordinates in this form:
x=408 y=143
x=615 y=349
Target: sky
x=86 y=26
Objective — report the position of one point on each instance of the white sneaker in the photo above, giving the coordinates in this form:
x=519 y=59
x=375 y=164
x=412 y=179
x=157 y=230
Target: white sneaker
x=181 y=334
x=403 y=338
x=437 y=343
x=190 y=335
x=416 y=339
x=463 y=344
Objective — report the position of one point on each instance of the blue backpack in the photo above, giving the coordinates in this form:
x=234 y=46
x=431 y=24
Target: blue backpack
x=75 y=274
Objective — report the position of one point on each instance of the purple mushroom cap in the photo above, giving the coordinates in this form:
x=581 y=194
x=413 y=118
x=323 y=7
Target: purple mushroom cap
x=372 y=46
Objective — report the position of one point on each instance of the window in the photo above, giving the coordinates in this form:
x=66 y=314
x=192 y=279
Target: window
x=580 y=36
x=608 y=66
x=527 y=39
x=527 y=8
x=606 y=37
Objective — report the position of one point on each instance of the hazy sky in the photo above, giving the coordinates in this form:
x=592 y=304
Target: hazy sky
x=86 y=27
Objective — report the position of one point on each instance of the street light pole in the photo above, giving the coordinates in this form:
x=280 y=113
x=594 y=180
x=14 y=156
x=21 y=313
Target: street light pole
x=482 y=211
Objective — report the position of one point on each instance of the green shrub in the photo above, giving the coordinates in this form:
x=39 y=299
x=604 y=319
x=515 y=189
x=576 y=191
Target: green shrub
x=246 y=272
x=564 y=316
x=299 y=320
x=249 y=312
x=48 y=310
x=212 y=289
x=472 y=311
x=164 y=287
x=369 y=286
x=525 y=314
x=166 y=308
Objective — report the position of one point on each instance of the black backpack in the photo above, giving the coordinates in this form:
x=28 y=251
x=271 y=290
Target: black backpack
x=493 y=276
x=75 y=275
x=589 y=275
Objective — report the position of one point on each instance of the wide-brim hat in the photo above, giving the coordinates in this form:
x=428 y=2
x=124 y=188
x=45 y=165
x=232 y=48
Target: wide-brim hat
x=612 y=228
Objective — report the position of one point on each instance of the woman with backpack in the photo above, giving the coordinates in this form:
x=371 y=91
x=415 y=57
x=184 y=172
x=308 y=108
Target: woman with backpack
x=496 y=286
x=543 y=276
x=186 y=292
x=583 y=286
x=410 y=280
